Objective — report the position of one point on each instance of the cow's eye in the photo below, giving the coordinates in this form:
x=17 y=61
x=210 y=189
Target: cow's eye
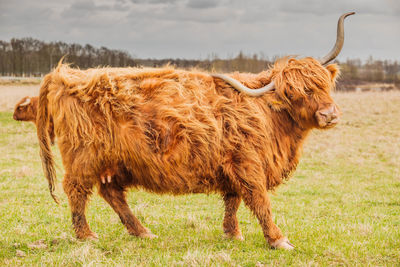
x=289 y=95
x=308 y=92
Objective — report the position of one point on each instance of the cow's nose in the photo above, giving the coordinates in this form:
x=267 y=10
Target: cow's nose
x=328 y=116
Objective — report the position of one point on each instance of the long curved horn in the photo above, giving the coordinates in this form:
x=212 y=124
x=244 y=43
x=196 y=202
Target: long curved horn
x=244 y=89
x=339 y=40
x=26 y=102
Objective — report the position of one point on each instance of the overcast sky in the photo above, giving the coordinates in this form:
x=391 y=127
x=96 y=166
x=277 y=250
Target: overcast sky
x=198 y=28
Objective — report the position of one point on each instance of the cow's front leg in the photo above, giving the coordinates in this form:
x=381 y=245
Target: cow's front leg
x=231 y=224
x=115 y=196
x=78 y=196
x=259 y=203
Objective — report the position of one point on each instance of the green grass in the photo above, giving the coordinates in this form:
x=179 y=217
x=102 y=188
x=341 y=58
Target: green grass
x=341 y=207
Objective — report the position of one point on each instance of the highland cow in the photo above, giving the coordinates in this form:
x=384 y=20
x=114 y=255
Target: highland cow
x=174 y=131
x=26 y=110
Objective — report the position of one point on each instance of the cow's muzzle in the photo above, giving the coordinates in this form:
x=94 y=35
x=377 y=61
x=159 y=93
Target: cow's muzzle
x=328 y=117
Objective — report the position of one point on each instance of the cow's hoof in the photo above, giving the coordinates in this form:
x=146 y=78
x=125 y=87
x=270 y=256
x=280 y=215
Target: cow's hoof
x=148 y=235
x=282 y=243
x=90 y=236
x=93 y=236
x=237 y=236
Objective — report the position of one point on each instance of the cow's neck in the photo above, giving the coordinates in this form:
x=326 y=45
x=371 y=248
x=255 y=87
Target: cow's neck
x=296 y=135
x=289 y=127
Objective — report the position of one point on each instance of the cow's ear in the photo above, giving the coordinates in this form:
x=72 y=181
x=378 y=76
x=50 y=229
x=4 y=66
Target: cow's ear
x=334 y=71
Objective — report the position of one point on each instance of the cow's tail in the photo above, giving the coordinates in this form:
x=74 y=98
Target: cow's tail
x=43 y=124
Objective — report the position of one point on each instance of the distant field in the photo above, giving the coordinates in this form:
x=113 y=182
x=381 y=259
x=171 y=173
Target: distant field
x=10 y=94
x=341 y=207
x=9 y=80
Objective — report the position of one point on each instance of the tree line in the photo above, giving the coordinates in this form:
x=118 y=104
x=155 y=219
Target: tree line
x=32 y=57
x=355 y=72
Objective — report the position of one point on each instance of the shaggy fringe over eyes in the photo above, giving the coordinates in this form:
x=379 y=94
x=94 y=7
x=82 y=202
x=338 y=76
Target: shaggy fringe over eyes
x=303 y=76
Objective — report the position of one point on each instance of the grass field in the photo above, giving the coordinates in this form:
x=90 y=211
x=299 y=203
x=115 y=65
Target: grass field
x=341 y=207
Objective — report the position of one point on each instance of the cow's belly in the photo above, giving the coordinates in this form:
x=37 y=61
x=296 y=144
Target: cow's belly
x=173 y=182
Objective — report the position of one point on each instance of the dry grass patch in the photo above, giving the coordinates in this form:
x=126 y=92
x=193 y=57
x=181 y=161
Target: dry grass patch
x=11 y=94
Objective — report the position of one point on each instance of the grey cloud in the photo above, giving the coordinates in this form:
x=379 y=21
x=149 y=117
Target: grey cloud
x=202 y=4
x=185 y=28
x=181 y=14
x=23 y=15
x=83 y=5
x=316 y=7
x=81 y=9
x=155 y=1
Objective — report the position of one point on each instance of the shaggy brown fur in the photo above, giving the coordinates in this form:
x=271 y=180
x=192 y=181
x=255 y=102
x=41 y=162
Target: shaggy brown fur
x=28 y=113
x=175 y=131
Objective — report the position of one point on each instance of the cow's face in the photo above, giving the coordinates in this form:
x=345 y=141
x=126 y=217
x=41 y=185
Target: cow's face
x=25 y=110
x=327 y=113
x=305 y=87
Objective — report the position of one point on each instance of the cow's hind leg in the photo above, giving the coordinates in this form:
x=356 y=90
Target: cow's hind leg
x=115 y=196
x=259 y=203
x=231 y=225
x=78 y=195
